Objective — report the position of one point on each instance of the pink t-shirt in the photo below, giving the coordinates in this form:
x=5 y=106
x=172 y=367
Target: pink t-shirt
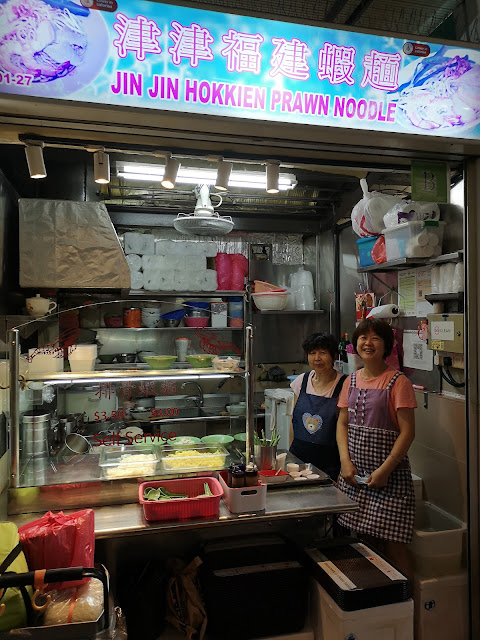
x=296 y=385
x=401 y=394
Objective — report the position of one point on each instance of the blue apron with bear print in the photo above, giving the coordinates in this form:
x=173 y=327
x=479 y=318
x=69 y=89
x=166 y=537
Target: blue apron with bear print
x=314 y=429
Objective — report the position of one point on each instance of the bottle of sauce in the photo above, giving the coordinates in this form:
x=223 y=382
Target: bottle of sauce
x=251 y=475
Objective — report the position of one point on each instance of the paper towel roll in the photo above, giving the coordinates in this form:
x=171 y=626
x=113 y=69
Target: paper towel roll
x=458 y=278
x=384 y=311
x=422 y=238
x=433 y=239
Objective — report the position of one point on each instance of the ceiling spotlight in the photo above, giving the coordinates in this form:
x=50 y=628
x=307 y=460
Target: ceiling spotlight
x=101 y=166
x=34 y=153
x=223 y=174
x=273 y=174
x=172 y=166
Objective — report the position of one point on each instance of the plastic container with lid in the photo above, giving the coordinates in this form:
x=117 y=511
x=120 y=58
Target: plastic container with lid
x=235 y=311
x=218 y=309
x=196 y=457
x=414 y=240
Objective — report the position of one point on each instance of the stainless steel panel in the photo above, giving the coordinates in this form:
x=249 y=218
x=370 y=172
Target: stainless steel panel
x=472 y=352
x=128 y=520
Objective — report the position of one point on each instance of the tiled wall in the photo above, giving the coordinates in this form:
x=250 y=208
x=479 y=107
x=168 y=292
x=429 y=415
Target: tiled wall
x=439 y=453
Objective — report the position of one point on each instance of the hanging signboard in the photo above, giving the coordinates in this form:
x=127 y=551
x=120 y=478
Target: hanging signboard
x=429 y=181
x=151 y=55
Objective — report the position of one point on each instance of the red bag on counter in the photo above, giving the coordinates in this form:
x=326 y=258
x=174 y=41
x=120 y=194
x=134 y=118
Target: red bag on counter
x=58 y=541
x=223 y=267
x=239 y=271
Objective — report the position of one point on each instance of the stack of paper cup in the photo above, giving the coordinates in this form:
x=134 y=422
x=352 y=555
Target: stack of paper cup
x=82 y=357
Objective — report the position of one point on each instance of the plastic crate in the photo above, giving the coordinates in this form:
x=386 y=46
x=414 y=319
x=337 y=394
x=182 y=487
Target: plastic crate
x=182 y=508
x=365 y=246
x=414 y=240
x=245 y=499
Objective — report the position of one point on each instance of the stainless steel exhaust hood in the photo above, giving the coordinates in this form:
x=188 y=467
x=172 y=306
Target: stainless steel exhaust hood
x=71 y=245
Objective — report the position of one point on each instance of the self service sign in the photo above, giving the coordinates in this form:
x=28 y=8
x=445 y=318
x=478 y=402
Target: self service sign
x=160 y=56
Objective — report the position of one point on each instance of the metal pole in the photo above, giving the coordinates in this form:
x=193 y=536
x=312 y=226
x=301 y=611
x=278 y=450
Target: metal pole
x=250 y=381
x=14 y=360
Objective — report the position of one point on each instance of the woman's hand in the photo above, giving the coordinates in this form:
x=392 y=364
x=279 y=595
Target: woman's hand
x=378 y=478
x=347 y=472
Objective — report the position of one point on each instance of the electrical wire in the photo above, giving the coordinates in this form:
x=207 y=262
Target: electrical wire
x=449 y=378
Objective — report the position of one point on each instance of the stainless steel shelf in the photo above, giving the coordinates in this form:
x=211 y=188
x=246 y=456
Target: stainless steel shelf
x=402 y=263
x=440 y=297
x=141 y=293
x=456 y=256
x=409 y=263
x=290 y=311
x=112 y=375
x=166 y=328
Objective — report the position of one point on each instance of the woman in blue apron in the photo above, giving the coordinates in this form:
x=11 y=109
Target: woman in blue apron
x=315 y=413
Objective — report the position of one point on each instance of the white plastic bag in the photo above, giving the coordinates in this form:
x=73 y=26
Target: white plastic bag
x=367 y=214
x=410 y=211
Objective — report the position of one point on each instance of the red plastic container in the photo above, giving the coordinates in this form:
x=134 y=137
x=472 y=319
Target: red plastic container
x=182 y=508
x=196 y=322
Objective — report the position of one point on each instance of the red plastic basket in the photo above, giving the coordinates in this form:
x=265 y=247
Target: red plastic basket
x=182 y=508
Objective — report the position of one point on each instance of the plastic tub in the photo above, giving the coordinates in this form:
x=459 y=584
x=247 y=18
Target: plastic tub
x=441 y=607
x=127 y=461
x=196 y=457
x=437 y=541
x=414 y=240
x=270 y=300
x=243 y=499
x=226 y=363
x=182 y=508
x=365 y=246
x=196 y=322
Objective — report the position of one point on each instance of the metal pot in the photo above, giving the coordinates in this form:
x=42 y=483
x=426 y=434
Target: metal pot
x=89 y=400
x=126 y=357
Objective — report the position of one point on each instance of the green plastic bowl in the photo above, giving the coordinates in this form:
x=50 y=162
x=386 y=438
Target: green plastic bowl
x=104 y=359
x=217 y=439
x=242 y=437
x=200 y=361
x=160 y=362
x=179 y=441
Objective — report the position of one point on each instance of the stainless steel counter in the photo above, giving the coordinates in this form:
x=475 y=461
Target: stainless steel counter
x=127 y=520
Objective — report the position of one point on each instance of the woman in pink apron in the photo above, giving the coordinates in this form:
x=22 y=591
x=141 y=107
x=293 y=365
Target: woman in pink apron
x=375 y=429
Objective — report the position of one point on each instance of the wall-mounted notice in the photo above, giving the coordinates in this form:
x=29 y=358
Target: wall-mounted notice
x=416 y=354
x=407 y=292
x=169 y=57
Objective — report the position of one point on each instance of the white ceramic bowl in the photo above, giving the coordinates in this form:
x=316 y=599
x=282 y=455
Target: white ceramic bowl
x=270 y=300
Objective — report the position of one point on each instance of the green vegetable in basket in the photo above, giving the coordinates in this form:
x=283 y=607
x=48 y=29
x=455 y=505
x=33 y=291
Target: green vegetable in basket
x=161 y=494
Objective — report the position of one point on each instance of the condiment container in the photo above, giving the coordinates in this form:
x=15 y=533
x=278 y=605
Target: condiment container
x=251 y=475
x=132 y=318
x=218 y=310
x=238 y=478
x=243 y=499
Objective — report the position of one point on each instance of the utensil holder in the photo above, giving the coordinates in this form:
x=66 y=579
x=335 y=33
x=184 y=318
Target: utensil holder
x=265 y=456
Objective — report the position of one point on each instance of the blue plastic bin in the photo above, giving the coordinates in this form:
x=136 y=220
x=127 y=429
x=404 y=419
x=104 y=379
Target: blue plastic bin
x=365 y=246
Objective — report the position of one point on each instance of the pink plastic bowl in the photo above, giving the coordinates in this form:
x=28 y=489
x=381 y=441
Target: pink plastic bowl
x=196 y=322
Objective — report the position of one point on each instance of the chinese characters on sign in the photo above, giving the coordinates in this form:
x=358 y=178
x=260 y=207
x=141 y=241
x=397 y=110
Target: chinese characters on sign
x=243 y=53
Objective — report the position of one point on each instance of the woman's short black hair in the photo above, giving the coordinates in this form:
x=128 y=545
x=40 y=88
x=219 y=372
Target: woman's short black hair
x=321 y=341
x=378 y=326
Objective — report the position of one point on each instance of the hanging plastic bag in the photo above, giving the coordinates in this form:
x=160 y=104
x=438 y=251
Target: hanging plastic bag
x=379 y=251
x=395 y=359
x=368 y=213
x=223 y=267
x=57 y=540
x=186 y=610
x=239 y=265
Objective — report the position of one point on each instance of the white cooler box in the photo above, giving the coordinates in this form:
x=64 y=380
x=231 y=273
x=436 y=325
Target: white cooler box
x=388 y=622
x=441 y=607
x=437 y=541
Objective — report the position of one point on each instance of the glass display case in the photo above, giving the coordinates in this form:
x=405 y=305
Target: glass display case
x=93 y=427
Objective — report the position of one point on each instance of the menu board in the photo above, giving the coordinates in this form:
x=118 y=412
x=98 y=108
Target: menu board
x=174 y=58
